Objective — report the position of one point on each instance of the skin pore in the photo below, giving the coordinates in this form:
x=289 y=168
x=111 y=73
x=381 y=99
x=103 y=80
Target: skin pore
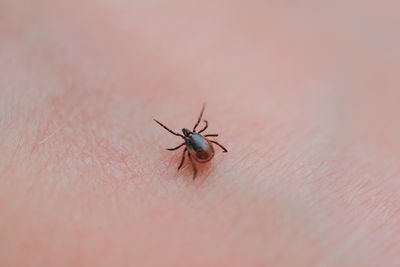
x=305 y=97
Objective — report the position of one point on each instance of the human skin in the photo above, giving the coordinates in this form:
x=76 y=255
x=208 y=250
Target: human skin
x=304 y=96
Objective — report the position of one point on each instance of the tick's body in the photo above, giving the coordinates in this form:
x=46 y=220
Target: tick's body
x=198 y=146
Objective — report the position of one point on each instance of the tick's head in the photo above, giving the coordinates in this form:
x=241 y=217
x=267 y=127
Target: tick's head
x=186 y=132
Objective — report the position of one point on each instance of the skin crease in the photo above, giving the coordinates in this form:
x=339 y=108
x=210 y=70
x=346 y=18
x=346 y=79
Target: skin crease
x=304 y=96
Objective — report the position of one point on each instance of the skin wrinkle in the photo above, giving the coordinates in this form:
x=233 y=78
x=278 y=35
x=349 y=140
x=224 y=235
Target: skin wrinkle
x=115 y=164
x=350 y=212
x=120 y=165
x=259 y=151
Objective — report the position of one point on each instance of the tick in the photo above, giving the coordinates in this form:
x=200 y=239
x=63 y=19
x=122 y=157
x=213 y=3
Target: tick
x=198 y=147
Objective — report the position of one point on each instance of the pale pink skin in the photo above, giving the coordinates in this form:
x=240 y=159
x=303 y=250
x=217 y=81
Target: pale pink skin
x=304 y=94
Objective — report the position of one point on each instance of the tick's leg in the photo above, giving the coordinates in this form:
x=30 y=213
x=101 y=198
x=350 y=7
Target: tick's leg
x=166 y=128
x=205 y=127
x=211 y=135
x=201 y=115
x=183 y=159
x=221 y=146
x=175 y=148
x=194 y=167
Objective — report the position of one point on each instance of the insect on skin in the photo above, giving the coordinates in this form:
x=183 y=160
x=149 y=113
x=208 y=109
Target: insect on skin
x=198 y=147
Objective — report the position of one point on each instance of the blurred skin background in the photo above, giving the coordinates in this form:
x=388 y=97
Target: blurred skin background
x=304 y=95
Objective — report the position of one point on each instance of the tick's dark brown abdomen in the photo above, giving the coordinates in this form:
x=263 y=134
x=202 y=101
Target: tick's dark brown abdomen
x=200 y=148
x=204 y=155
